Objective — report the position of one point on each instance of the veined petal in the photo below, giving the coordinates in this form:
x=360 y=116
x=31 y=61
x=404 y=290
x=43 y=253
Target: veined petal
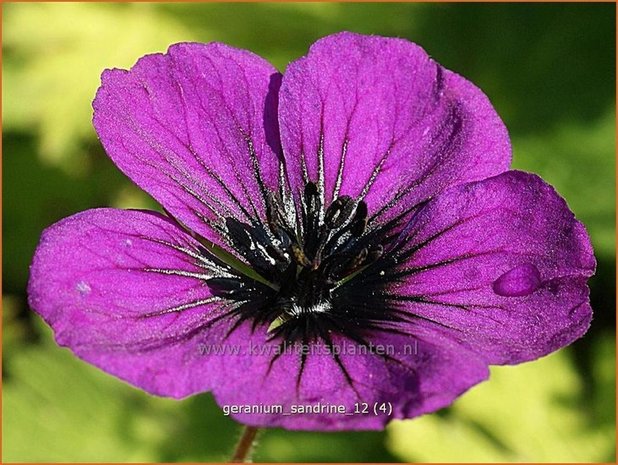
x=125 y=291
x=197 y=129
x=342 y=386
x=501 y=265
x=377 y=118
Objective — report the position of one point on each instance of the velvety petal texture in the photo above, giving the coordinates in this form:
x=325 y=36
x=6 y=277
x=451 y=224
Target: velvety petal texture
x=409 y=375
x=124 y=291
x=197 y=129
x=376 y=118
x=366 y=195
x=502 y=265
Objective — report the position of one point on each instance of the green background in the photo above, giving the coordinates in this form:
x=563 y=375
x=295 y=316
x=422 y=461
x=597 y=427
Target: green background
x=548 y=69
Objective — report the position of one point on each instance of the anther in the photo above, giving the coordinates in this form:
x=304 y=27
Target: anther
x=339 y=212
x=359 y=222
x=375 y=252
x=299 y=255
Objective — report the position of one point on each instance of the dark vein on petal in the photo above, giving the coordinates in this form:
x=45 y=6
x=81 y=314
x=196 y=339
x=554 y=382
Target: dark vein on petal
x=180 y=308
x=339 y=180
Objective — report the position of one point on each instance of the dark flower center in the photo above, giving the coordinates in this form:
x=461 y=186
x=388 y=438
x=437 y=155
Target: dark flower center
x=312 y=272
x=309 y=257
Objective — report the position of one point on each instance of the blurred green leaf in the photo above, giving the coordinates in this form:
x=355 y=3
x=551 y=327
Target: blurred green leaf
x=603 y=392
x=76 y=413
x=53 y=57
x=535 y=412
x=41 y=195
x=541 y=65
x=71 y=412
x=306 y=446
x=579 y=161
x=13 y=330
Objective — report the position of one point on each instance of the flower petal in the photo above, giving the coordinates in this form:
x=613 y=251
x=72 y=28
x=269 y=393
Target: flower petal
x=124 y=290
x=197 y=129
x=376 y=117
x=356 y=389
x=501 y=265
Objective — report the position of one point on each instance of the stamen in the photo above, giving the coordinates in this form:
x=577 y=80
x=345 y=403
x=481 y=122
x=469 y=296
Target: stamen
x=339 y=212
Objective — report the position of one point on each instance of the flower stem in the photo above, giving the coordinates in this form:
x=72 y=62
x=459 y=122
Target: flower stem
x=244 y=448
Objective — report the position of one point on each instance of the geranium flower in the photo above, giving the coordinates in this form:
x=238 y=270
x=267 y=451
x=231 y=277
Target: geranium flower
x=361 y=200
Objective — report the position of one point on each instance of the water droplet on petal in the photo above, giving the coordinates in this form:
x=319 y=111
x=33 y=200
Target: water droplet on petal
x=519 y=281
x=83 y=288
x=128 y=242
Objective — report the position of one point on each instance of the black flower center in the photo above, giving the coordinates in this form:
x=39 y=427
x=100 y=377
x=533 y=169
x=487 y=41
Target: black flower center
x=309 y=257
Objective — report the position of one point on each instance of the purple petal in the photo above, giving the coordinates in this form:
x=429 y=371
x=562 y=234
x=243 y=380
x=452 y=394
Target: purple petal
x=377 y=117
x=124 y=291
x=197 y=129
x=502 y=265
x=425 y=372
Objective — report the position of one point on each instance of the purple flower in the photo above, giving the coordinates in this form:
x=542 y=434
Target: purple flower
x=346 y=234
